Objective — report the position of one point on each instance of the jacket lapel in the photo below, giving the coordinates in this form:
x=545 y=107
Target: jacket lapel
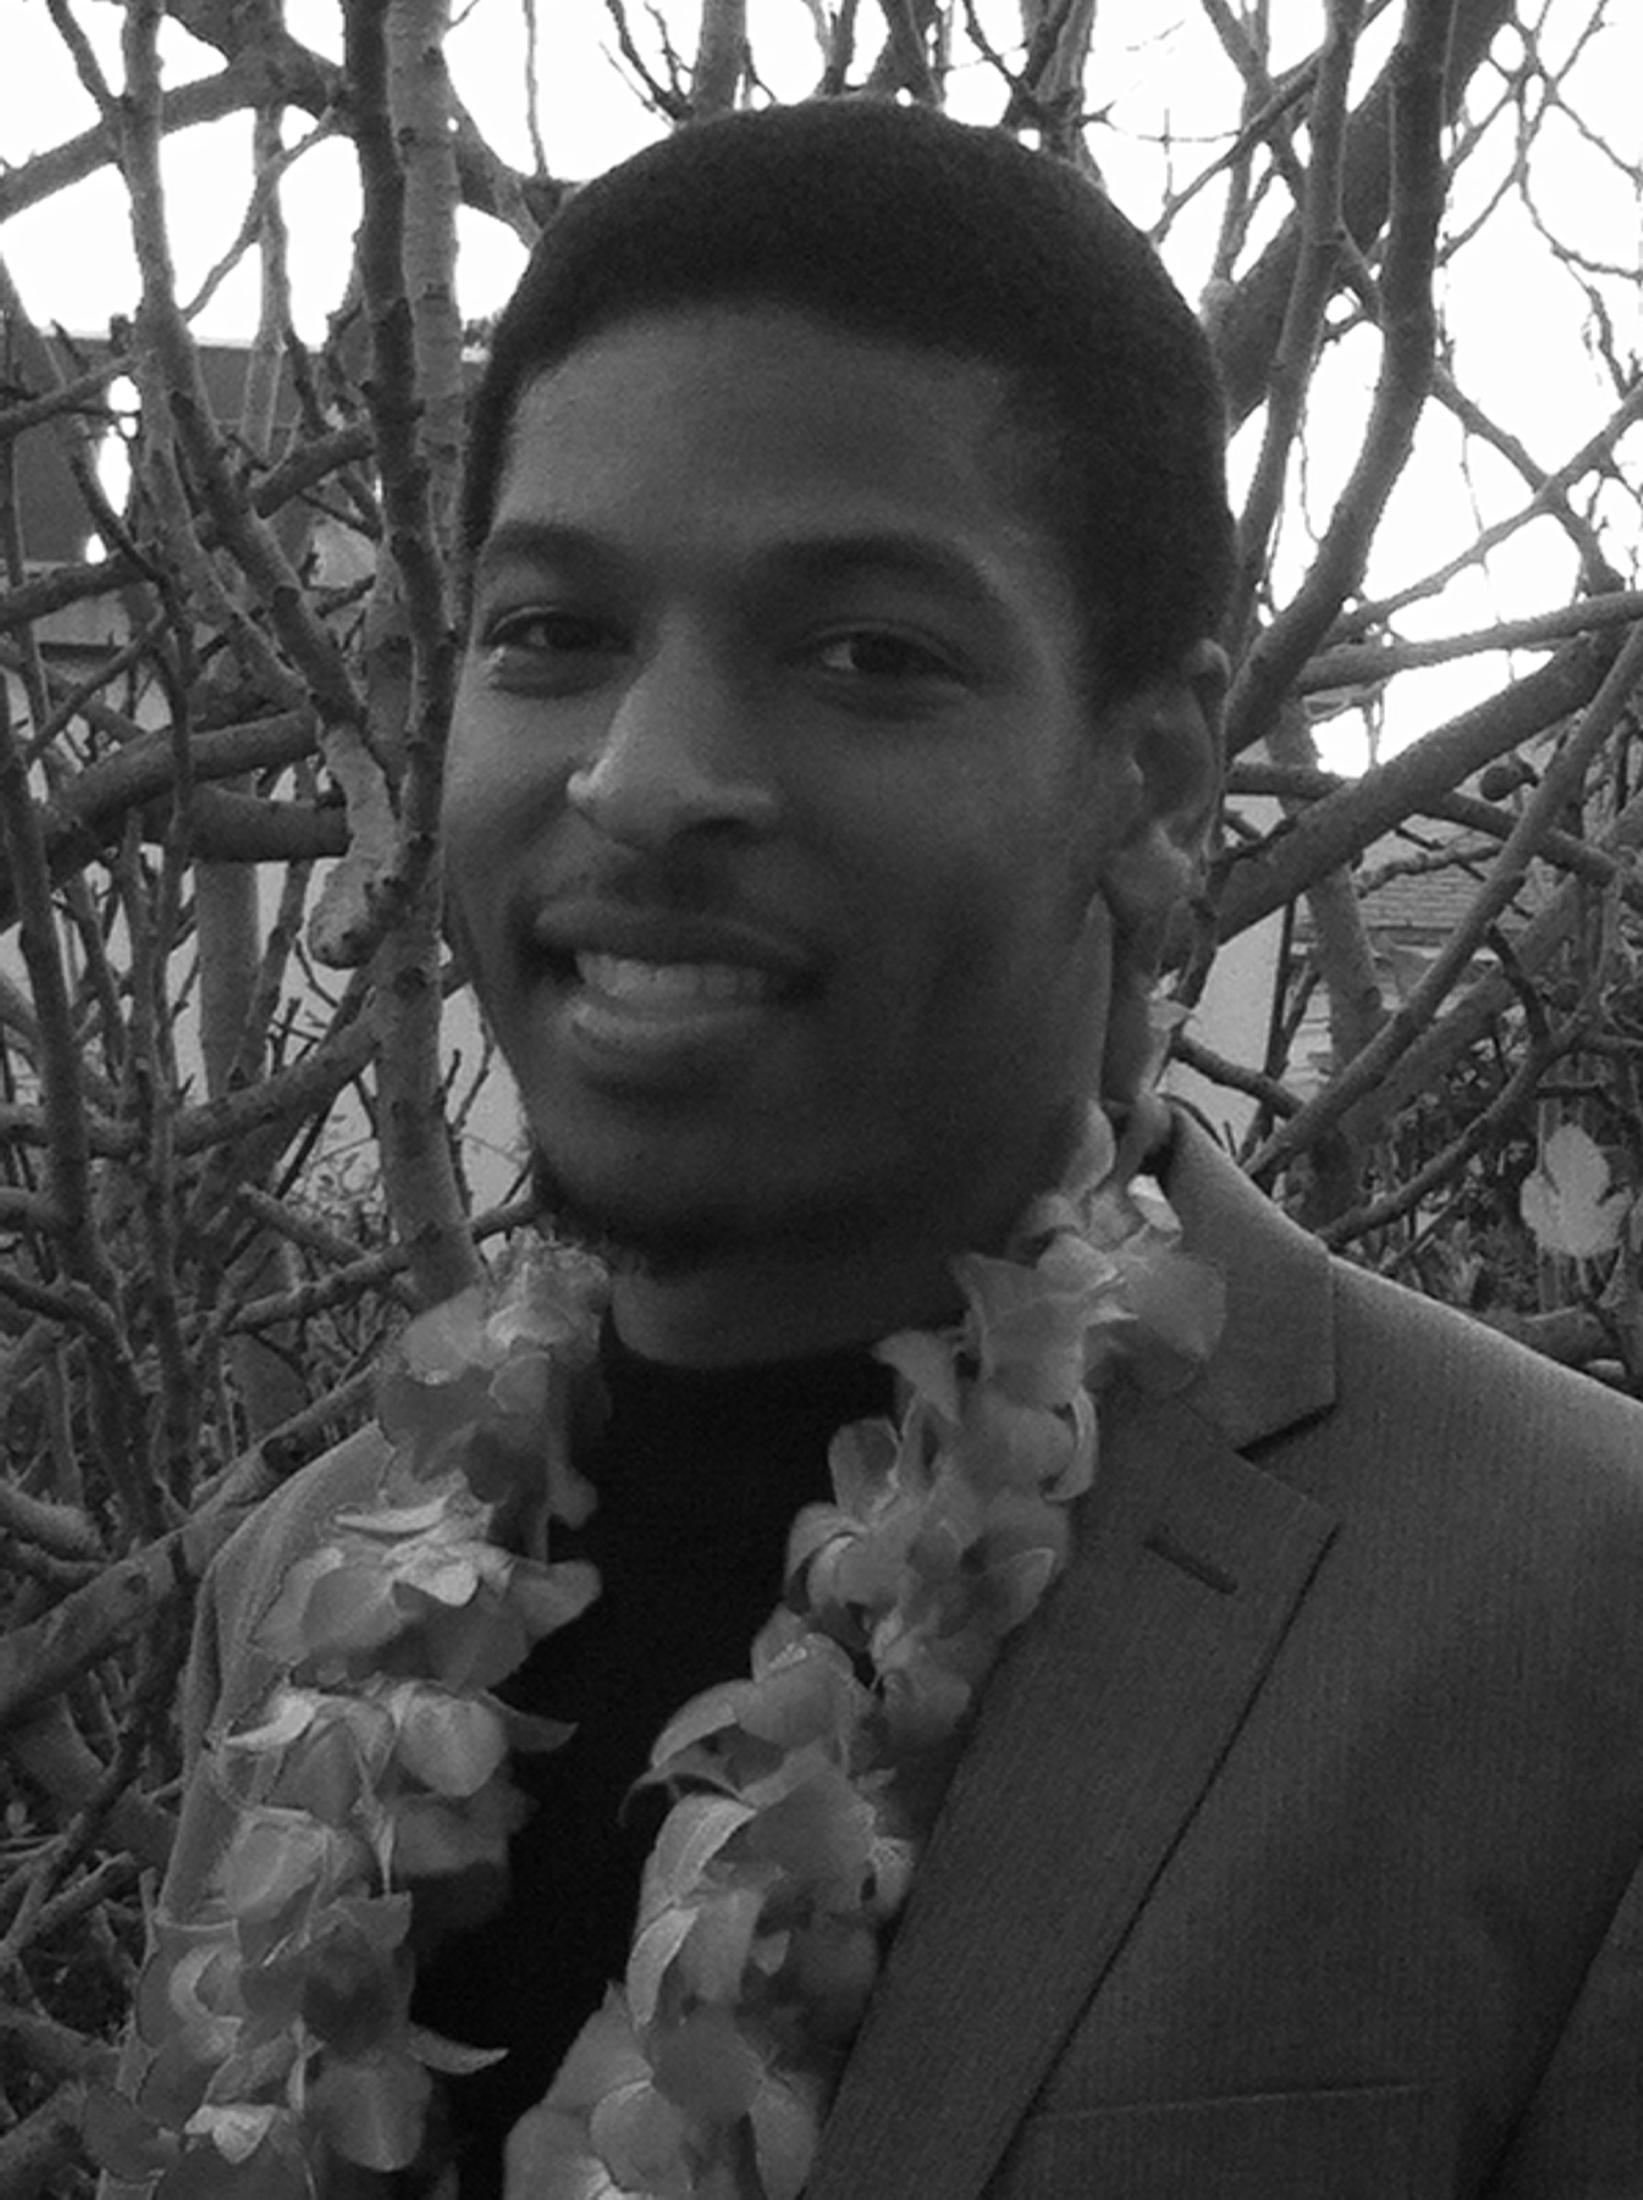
x=1100 y=1731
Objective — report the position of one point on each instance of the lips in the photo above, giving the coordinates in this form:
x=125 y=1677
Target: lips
x=673 y=985
x=663 y=958
x=651 y=1001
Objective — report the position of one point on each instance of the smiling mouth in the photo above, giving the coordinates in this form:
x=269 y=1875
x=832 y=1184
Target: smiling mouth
x=638 y=1026
x=673 y=986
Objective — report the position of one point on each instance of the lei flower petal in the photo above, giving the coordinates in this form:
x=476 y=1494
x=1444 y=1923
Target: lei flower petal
x=801 y=1794
x=279 y=2017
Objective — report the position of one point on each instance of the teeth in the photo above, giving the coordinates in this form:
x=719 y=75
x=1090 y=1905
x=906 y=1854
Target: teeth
x=624 y=979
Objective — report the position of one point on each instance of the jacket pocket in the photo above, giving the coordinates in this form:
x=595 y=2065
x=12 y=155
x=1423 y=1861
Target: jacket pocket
x=1354 y=2143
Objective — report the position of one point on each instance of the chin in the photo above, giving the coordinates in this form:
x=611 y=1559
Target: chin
x=632 y=1233
x=631 y=1219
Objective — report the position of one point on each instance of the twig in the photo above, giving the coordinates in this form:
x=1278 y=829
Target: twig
x=63 y=1530
x=1310 y=292
x=41 y=1658
x=75 y=823
x=1562 y=782
x=1194 y=1055
x=1277 y=104
x=365 y=1274
x=1355 y=663
x=245 y=1481
x=52 y=2047
x=33 y=2151
x=1596 y=571
x=407 y=212
x=1336 y=829
x=667 y=99
x=533 y=86
x=309 y=465
x=841 y=51
x=1570 y=853
x=268 y=70
x=47 y=593
x=88 y=1287
x=313 y=1235
x=1408 y=323
x=721 y=57
x=306 y=1087
x=1591 y=453
x=59 y=1760
x=256 y=213
x=39 y=1915
x=1379 y=1214
x=73 y=397
x=175 y=400
x=151 y=1074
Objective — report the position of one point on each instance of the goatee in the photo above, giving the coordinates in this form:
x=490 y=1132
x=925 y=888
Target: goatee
x=626 y=1242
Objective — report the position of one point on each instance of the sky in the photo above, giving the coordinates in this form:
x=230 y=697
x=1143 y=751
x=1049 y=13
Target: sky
x=1521 y=332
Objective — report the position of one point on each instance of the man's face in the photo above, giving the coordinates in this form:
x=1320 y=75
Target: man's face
x=775 y=809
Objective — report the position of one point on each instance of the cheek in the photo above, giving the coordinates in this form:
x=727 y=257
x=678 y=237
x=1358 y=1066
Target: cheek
x=470 y=777
x=464 y=836
x=984 y=933
x=478 y=831
x=490 y=790
x=505 y=772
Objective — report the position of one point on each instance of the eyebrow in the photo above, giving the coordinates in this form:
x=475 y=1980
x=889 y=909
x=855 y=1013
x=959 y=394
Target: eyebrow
x=902 y=553
x=536 y=542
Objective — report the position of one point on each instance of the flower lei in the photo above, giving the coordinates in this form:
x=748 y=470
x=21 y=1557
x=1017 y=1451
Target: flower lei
x=279 y=2014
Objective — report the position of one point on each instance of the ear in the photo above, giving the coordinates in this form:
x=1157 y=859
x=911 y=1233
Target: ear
x=1168 y=735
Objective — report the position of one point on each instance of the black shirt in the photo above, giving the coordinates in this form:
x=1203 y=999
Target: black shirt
x=699 y=1474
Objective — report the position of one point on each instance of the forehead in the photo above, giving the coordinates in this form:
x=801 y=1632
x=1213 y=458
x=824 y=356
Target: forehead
x=758 y=419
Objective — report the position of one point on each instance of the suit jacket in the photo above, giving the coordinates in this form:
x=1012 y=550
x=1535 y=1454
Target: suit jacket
x=1295 y=1852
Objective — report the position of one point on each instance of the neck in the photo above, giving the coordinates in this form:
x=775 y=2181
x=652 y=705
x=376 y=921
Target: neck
x=777 y=1303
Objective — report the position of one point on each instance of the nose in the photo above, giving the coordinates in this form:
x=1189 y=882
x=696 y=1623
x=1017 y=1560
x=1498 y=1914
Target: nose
x=681 y=754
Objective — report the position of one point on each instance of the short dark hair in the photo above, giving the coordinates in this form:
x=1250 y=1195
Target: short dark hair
x=901 y=225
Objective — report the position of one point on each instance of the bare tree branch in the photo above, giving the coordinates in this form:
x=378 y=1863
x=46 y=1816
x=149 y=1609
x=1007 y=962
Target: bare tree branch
x=1408 y=324
x=1339 y=828
x=1564 y=779
x=721 y=58
x=1247 y=326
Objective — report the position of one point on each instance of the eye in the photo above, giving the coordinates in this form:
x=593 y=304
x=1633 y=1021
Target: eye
x=552 y=632
x=547 y=647
x=880 y=654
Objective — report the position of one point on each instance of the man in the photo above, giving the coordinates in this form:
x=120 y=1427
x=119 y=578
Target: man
x=835 y=738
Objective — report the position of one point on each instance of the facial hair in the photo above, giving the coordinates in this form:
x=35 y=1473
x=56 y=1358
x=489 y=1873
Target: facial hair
x=629 y=1243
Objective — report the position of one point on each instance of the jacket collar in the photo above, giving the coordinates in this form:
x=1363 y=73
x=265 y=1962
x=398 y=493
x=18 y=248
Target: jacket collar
x=1102 y=1728
x=1275 y=1363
